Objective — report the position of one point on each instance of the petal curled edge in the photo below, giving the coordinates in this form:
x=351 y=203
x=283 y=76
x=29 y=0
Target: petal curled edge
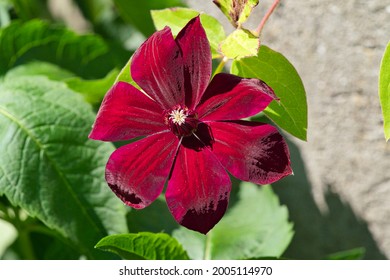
x=126 y=113
x=229 y=97
x=253 y=152
x=198 y=191
x=157 y=67
x=196 y=52
x=137 y=172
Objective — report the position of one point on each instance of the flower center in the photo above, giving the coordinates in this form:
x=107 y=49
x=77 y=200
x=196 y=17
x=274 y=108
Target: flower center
x=181 y=120
x=178 y=116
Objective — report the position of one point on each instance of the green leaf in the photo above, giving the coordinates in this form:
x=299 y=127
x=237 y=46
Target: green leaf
x=384 y=90
x=256 y=226
x=85 y=55
x=143 y=246
x=237 y=11
x=40 y=68
x=29 y=9
x=137 y=13
x=93 y=91
x=177 y=18
x=239 y=44
x=290 y=113
x=353 y=254
x=50 y=168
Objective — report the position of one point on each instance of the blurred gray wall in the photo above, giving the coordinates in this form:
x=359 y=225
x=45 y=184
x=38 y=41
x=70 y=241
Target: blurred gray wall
x=339 y=198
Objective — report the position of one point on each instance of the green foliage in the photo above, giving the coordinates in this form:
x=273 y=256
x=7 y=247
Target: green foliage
x=353 y=254
x=237 y=11
x=241 y=43
x=384 y=90
x=143 y=246
x=256 y=226
x=137 y=13
x=93 y=91
x=177 y=18
x=30 y=9
x=290 y=113
x=85 y=55
x=49 y=167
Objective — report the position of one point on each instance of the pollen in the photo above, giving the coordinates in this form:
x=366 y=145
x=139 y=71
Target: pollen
x=178 y=116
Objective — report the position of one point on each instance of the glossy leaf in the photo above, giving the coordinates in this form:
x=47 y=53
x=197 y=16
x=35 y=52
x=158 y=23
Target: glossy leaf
x=384 y=90
x=50 y=168
x=240 y=43
x=237 y=11
x=137 y=13
x=143 y=246
x=177 y=18
x=85 y=55
x=256 y=226
x=290 y=113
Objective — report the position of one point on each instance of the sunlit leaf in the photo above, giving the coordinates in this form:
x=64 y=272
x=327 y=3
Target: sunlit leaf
x=143 y=246
x=239 y=44
x=177 y=18
x=384 y=90
x=237 y=11
x=290 y=113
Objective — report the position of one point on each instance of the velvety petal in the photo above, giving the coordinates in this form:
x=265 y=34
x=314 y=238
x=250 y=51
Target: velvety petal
x=196 y=52
x=157 y=67
x=254 y=152
x=137 y=172
x=198 y=191
x=229 y=97
x=126 y=113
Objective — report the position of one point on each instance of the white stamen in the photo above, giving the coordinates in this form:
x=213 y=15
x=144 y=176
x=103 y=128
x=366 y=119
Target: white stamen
x=178 y=116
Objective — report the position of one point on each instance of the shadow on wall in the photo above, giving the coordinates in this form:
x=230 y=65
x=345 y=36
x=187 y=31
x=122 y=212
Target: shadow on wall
x=319 y=234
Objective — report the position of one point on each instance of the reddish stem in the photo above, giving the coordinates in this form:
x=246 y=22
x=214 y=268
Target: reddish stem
x=266 y=17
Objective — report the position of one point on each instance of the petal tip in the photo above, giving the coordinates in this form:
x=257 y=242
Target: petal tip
x=206 y=219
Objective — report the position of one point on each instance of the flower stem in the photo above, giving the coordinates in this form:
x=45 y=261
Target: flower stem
x=220 y=66
x=207 y=249
x=266 y=17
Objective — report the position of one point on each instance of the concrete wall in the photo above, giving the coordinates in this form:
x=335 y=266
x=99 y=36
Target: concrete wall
x=339 y=197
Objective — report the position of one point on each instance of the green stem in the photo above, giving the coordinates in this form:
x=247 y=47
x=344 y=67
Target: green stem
x=220 y=66
x=259 y=28
x=25 y=245
x=207 y=249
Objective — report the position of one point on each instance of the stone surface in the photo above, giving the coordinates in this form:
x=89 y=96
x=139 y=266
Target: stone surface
x=339 y=197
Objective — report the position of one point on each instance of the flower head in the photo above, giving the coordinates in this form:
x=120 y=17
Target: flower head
x=193 y=135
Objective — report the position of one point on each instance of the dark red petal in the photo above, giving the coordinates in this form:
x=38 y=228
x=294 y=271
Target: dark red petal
x=137 y=172
x=229 y=97
x=126 y=113
x=196 y=52
x=254 y=152
x=198 y=191
x=157 y=67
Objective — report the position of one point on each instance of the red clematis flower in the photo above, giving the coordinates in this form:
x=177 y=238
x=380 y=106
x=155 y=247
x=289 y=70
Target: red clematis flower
x=193 y=130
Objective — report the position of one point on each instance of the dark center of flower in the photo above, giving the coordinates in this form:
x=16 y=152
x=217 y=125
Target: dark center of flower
x=181 y=120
